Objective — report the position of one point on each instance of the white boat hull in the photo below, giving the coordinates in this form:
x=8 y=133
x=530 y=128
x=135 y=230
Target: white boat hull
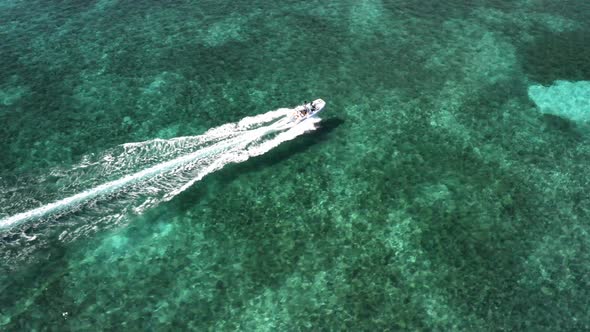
x=309 y=110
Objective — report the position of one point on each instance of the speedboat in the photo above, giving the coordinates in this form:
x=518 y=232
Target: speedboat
x=306 y=111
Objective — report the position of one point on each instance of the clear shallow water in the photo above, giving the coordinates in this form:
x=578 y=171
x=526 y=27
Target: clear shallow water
x=435 y=194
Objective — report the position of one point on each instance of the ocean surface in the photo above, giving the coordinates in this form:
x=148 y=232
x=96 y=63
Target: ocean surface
x=149 y=181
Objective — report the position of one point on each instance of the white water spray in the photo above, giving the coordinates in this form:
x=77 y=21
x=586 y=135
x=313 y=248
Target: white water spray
x=147 y=173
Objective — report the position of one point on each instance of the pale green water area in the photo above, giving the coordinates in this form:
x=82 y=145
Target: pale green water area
x=446 y=188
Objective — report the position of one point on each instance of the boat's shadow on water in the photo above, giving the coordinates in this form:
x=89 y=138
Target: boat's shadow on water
x=282 y=152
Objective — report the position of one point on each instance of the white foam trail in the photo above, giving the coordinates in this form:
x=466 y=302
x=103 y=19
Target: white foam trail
x=106 y=188
x=230 y=143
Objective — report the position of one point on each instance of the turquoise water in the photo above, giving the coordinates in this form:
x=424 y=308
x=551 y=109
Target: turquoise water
x=445 y=188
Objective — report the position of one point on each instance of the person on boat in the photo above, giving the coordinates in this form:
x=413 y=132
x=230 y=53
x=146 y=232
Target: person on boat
x=305 y=110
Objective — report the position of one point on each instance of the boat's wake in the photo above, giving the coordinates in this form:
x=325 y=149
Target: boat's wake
x=104 y=190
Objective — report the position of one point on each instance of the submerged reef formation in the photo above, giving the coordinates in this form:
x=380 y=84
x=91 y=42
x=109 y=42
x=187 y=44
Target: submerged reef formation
x=570 y=100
